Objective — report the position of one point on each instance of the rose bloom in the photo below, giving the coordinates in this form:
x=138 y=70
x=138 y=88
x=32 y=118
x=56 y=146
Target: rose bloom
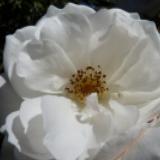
x=86 y=86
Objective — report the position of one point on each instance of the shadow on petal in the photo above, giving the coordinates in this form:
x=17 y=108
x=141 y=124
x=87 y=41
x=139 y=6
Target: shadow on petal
x=31 y=142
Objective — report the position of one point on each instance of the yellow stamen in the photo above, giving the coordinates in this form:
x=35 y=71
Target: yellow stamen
x=86 y=81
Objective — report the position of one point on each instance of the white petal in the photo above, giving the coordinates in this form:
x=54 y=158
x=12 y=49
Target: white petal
x=124 y=117
x=10 y=101
x=70 y=8
x=44 y=66
x=29 y=109
x=147 y=148
x=92 y=104
x=99 y=117
x=72 y=32
x=100 y=21
x=138 y=76
x=13 y=46
x=78 y=9
x=117 y=146
x=26 y=131
x=116 y=40
x=52 y=11
x=101 y=120
x=150 y=113
x=103 y=19
x=125 y=144
x=136 y=97
x=21 y=88
x=102 y=127
x=151 y=29
x=144 y=74
x=66 y=138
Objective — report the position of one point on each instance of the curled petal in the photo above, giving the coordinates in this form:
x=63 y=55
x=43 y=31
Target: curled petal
x=28 y=110
x=25 y=130
x=63 y=131
x=44 y=72
x=70 y=8
x=14 y=44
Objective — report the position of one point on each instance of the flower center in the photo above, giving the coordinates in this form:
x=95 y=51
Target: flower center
x=86 y=81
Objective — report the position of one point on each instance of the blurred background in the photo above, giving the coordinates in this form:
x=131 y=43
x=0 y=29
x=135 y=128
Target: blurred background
x=15 y=14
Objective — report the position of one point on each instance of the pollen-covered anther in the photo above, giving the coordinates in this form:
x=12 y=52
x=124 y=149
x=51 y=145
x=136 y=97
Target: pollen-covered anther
x=87 y=81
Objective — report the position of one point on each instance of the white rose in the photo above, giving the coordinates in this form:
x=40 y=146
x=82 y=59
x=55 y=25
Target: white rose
x=90 y=84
